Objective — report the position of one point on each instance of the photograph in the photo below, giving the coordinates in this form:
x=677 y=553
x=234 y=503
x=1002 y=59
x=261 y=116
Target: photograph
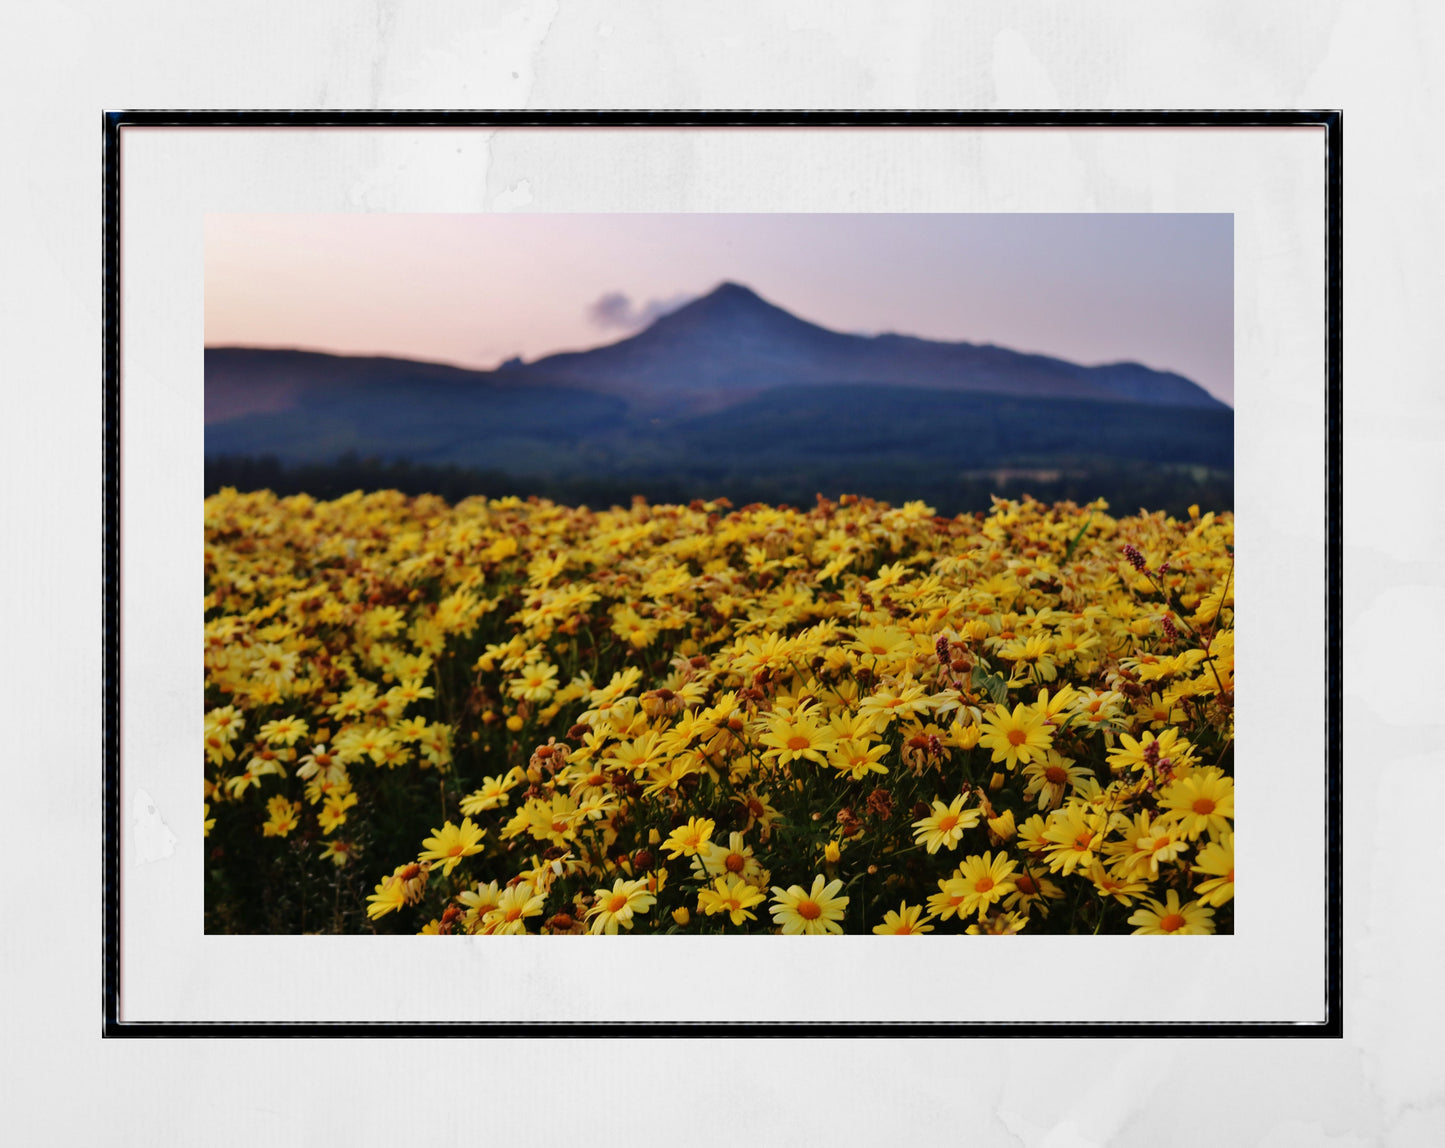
x=701 y=478
x=719 y=573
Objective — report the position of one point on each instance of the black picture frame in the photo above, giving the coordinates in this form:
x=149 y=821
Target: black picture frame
x=113 y=122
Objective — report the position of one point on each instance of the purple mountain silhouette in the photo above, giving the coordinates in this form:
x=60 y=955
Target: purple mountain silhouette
x=732 y=344
x=720 y=350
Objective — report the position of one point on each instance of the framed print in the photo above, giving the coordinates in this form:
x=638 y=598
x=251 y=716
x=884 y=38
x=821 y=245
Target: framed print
x=719 y=530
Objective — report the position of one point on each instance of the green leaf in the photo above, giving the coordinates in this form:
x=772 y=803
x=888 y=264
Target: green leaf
x=992 y=684
x=1069 y=552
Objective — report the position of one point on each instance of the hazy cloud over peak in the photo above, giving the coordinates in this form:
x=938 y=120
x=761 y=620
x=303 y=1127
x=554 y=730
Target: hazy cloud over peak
x=615 y=310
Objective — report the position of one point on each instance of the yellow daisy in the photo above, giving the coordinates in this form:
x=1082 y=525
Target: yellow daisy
x=903 y=922
x=1202 y=801
x=985 y=879
x=945 y=825
x=451 y=843
x=688 y=840
x=1172 y=919
x=814 y=911
x=514 y=906
x=1015 y=737
x=619 y=905
x=731 y=895
x=1217 y=860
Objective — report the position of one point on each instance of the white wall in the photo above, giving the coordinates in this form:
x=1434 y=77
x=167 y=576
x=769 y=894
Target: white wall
x=62 y=64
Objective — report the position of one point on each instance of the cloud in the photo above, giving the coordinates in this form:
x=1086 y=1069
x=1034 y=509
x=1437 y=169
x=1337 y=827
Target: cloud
x=615 y=310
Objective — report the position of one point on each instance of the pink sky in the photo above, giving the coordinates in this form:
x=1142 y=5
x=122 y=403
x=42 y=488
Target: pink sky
x=476 y=289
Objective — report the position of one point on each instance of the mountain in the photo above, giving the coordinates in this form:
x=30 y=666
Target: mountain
x=302 y=405
x=728 y=395
x=732 y=344
x=722 y=349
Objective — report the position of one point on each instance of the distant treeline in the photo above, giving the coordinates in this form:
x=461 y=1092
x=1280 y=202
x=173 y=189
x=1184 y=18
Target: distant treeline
x=1127 y=485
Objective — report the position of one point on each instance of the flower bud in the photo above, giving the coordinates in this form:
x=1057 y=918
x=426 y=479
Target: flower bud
x=1002 y=827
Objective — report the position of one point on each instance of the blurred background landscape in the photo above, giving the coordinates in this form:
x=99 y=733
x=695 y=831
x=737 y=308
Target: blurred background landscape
x=326 y=385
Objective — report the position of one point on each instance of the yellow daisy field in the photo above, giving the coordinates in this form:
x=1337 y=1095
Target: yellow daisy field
x=506 y=717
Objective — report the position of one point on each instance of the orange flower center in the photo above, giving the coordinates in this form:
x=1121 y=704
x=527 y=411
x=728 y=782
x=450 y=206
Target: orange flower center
x=903 y=930
x=983 y=884
x=1231 y=875
x=1017 y=737
x=513 y=914
x=1081 y=842
x=1171 y=923
x=735 y=862
x=809 y=910
x=1204 y=806
x=947 y=822
x=616 y=902
x=455 y=850
x=1055 y=775
x=1026 y=885
x=798 y=741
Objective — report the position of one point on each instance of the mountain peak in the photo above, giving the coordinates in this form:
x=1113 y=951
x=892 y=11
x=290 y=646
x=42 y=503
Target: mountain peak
x=731 y=297
x=728 y=289
x=729 y=305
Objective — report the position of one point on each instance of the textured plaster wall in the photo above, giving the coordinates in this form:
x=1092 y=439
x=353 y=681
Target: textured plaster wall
x=63 y=63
